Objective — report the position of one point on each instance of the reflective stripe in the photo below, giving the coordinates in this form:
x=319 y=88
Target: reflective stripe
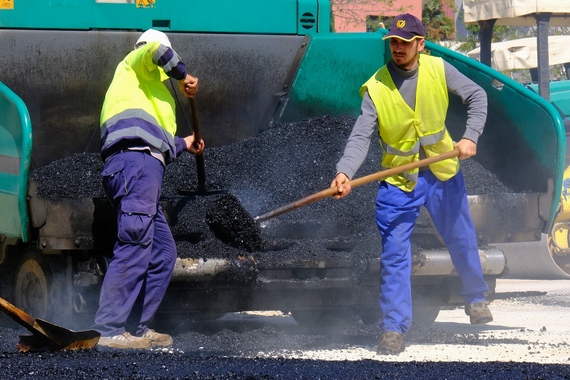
x=128 y=114
x=432 y=139
x=161 y=58
x=391 y=150
x=136 y=131
x=423 y=141
x=133 y=124
x=409 y=176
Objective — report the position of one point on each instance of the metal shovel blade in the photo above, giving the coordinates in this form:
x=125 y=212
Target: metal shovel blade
x=46 y=335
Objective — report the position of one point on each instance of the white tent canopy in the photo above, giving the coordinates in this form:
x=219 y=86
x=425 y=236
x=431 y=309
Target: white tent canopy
x=516 y=12
x=521 y=53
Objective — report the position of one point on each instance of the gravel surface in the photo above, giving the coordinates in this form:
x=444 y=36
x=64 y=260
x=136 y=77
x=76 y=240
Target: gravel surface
x=527 y=340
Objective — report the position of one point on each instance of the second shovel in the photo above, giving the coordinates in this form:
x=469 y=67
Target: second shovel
x=200 y=169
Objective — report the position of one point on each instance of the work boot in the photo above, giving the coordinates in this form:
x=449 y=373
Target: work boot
x=391 y=343
x=478 y=313
x=158 y=339
x=125 y=341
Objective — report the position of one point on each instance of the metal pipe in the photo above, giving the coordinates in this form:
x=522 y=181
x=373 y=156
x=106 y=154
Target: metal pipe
x=198 y=269
x=438 y=262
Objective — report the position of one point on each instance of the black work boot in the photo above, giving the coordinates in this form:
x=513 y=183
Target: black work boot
x=478 y=313
x=391 y=343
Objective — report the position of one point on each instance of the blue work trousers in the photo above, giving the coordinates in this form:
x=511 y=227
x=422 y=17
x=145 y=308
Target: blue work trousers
x=396 y=213
x=144 y=255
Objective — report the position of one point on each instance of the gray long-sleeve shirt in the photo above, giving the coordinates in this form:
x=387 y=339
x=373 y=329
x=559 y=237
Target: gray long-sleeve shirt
x=365 y=126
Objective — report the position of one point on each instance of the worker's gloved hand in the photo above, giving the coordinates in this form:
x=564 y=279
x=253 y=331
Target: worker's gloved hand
x=188 y=86
x=342 y=183
x=194 y=147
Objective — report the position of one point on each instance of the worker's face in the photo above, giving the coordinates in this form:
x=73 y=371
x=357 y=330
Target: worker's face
x=405 y=54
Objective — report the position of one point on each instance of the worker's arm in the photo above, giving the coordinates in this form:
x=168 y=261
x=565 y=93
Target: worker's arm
x=476 y=100
x=356 y=148
x=161 y=56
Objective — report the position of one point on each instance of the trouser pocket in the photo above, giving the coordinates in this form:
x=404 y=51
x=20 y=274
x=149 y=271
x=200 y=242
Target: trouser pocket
x=136 y=228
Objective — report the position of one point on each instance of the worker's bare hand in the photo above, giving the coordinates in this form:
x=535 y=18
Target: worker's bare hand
x=188 y=86
x=342 y=183
x=467 y=148
x=194 y=147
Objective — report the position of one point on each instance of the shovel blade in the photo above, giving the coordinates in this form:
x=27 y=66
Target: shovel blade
x=68 y=339
x=46 y=335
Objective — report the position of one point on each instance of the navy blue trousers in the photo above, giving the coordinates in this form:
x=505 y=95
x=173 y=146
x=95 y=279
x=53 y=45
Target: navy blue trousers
x=396 y=213
x=144 y=255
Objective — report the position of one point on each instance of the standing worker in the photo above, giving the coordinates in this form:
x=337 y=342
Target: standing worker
x=138 y=123
x=408 y=98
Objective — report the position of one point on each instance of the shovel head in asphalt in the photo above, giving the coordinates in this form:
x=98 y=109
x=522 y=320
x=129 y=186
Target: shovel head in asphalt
x=47 y=336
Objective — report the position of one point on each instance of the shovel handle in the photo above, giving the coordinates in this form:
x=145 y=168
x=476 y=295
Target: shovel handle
x=18 y=315
x=195 y=121
x=331 y=191
x=200 y=169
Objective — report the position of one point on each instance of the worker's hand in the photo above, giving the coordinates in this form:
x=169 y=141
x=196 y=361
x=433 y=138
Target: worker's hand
x=188 y=86
x=342 y=183
x=467 y=148
x=193 y=147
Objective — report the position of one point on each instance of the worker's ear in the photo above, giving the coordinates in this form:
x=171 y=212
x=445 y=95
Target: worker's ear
x=421 y=44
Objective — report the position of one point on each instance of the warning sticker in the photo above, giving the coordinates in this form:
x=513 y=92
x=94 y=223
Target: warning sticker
x=6 y=4
x=143 y=3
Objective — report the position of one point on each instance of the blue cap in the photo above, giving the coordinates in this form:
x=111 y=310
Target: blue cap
x=406 y=27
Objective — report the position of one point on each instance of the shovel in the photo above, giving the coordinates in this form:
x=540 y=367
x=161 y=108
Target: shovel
x=354 y=183
x=200 y=170
x=46 y=335
x=232 y=224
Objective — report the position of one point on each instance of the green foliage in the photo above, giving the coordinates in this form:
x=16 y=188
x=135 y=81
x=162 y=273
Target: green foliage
x=500 y=33
x=438 y=26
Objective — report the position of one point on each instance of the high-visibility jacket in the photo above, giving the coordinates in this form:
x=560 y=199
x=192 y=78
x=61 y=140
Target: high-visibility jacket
x=139 y=109
x=403 y=130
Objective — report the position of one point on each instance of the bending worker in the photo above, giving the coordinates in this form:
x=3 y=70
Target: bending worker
x=408 y=98
x=138 y=126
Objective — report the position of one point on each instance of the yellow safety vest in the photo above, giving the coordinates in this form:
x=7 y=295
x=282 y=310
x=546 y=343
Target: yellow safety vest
x=138 y=97
x=403 y=130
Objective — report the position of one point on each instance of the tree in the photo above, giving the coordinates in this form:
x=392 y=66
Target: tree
x=438 y=26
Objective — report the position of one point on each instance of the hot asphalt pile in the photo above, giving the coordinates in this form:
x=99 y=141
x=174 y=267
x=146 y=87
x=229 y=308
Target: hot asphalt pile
x=281 y=165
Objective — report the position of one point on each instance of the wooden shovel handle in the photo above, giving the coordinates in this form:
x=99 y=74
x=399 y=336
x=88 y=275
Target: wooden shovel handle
x=200 y=168
x=355 y=183
x=195 y=121
x=18 y=315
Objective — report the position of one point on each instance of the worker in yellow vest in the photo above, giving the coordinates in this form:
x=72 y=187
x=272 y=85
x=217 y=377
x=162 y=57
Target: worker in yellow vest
x=138 y=141
x=407 y=99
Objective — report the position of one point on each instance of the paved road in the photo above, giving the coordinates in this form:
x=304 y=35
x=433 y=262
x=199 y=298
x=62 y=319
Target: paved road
x=527 y=340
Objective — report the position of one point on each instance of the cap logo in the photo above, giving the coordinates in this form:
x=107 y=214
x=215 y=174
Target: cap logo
x=401 y=24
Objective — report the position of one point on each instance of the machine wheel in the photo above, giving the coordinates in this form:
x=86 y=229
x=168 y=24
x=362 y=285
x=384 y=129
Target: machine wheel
x=421 y=315
x=370 y=316
x=31 y=285
x=323 y=318
x=424 y=315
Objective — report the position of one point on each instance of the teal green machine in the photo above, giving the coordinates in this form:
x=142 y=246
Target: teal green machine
x=259 y=63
